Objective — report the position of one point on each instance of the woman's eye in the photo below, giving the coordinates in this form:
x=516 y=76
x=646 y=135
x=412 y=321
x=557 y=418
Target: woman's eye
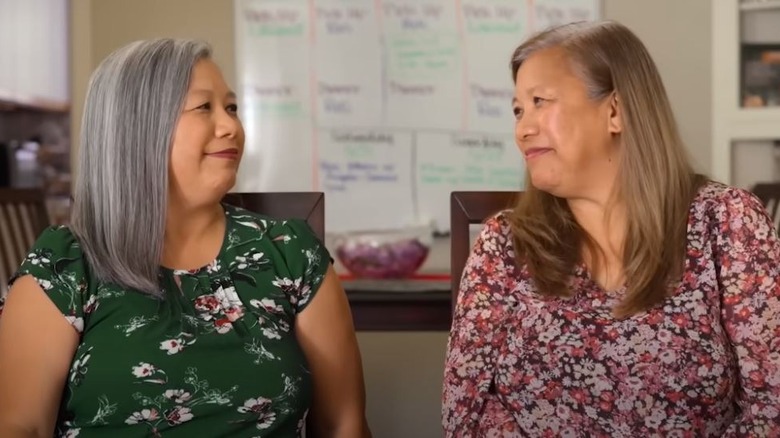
x=538 y=101
x=518 y=112
x=233 y=108
x=206 y=106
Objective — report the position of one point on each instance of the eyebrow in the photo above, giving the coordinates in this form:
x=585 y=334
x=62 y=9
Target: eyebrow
x=532 y=90
x=229 y=95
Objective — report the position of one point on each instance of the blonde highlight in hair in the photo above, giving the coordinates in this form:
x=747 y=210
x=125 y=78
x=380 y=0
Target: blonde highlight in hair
x=656 y=182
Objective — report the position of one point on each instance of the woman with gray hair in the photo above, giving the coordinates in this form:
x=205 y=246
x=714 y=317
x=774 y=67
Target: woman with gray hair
x=624 y=295
x=183 y=316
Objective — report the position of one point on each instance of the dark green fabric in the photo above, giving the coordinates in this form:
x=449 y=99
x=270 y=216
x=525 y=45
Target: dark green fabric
x=218 y=357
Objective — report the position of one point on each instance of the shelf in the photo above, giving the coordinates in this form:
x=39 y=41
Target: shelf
x=14 y=102
x=757 y=115
x=760 y=5
x=403 y=306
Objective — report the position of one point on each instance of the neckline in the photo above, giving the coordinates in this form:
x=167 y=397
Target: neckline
x=213 y=263
x=584 y=273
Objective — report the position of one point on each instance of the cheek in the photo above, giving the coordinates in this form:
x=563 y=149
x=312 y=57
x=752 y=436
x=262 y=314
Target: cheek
x=557 y=125
x=574 y=135
x=185 y=160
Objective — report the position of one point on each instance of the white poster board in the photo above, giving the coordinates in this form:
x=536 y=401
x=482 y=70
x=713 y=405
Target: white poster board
x=385 y=105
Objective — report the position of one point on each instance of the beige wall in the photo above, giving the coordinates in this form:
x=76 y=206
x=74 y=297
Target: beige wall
x=678 y=35
x=100 y=26
x=403 y=370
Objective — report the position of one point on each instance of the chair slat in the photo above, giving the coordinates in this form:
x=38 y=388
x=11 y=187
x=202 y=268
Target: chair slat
x=15 y=223
x=7 y=245
x=23 y=216
x=29 y=224
x=769 y=194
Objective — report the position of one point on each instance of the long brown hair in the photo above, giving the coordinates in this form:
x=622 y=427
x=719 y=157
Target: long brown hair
x=656 y=182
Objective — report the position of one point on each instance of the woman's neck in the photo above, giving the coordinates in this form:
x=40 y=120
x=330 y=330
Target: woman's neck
x=606 y=224
x=193 y=235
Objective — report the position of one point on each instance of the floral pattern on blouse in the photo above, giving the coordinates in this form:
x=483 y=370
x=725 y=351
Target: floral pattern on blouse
x=706 y=362
x=218 y=357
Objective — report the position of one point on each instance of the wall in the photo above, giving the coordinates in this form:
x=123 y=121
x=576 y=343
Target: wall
x=403 y=370
x=678 y=35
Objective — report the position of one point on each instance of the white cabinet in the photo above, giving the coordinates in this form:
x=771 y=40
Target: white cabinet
x=34 y=53
x=745 y=88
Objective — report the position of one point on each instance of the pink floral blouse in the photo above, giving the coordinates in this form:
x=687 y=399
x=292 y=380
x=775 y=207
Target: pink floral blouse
x=704 y=363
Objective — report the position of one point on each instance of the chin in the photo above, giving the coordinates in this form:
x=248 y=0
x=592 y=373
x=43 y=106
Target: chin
x=551 y=188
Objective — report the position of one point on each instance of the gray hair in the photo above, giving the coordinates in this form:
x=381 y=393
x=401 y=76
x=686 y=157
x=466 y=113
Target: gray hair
x=121 y=193
x=588 y=45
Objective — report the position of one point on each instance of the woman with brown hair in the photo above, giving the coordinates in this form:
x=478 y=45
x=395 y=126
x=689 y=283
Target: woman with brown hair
x=625 y=295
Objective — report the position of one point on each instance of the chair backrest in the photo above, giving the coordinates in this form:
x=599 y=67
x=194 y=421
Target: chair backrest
x=468 y=208
x=309 y=206
x=23 y=216
x=769 y=194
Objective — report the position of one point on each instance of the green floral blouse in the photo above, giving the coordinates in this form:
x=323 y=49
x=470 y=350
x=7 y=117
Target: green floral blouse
x=218 y=357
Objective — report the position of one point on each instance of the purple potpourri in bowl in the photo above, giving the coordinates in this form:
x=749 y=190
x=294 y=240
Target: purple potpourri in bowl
x=391 y=254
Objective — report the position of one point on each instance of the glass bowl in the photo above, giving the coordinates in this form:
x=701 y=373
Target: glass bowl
x=384 y=254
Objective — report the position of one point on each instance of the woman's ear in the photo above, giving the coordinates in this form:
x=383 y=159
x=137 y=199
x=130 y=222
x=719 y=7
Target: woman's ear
x=615 y=116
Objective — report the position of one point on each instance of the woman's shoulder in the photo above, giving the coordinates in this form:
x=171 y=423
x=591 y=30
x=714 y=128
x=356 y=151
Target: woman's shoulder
x=498 y=224
x=57 y=241
x=496 y=238
x=272 y=227
x=717 y=202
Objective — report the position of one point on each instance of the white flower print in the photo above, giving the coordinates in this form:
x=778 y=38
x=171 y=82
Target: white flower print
x=44 y=284
x=208 y=304
x=143 y=370
x=267 y=304
x=213 y=267
x=305 y=292
x=229 y=302
x=143 y=415
x=260 y=408
x=271 y=333
x=234 y=314
x=255 y=405
x=177 y=396
x=287 y=284
x=223 y=325
x=257 y=350
x=265 y=420
x=71 y=433
x=250 y=224
x=134 y=324
x=91 y=305
x=172 y=346
x=178 y=415
x=76 y=321
x=38 y=258
x=241 y=262
x=79 y=368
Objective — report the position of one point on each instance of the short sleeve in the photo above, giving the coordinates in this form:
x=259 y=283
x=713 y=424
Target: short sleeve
x=56 y=262
x=307 y=259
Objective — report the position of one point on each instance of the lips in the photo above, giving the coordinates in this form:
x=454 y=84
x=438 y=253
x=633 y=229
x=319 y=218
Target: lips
x=231 y=154
x=535 y=152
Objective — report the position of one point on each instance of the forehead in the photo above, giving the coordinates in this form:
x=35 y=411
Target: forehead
x=548 y=68
x=206 y=75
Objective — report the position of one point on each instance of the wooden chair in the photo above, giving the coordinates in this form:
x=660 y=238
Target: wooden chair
x=769 y=194
x=309 y=206
x=468 y=208
x=23 y=216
